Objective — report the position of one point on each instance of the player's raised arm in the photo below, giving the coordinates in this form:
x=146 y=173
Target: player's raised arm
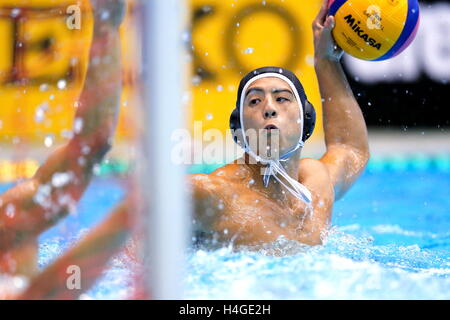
x=345 y=129
x=35 y=205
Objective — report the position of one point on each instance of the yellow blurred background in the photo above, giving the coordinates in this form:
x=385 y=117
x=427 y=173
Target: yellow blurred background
x=43 y=62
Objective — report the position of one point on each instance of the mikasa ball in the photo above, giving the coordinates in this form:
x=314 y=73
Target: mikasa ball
x=374 y=29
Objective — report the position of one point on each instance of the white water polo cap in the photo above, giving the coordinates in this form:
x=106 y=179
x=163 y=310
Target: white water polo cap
x=307 y=123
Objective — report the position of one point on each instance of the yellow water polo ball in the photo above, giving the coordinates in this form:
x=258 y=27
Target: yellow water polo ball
x=374 y=29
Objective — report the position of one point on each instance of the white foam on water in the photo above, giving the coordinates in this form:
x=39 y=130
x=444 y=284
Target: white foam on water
x=345 y=267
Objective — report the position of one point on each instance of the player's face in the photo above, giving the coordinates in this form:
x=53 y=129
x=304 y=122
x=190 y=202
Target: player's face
x=270 y=108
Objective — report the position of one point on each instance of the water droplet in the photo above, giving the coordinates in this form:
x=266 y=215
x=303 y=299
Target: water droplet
x=219 y=88
x=105 y=14
x=48 y=141
x=10 y=210
x=85 y=150
x=209 y=116
x=60 y=179
x=97 y=169
x=196 y=80
x=309 y=59
x=61 y=84
x=43 y=87
x=78 y=125
x=39 y=116
x=82 y=161
x=15 y=12
x=249 y=51
x=20 y=282
x=186 y=36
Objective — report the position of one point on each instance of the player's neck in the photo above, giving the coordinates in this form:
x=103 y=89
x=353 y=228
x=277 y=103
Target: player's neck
x=274 y=189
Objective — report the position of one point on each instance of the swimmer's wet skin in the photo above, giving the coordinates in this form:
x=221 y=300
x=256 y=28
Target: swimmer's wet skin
x=235 y=203
x=34 y=206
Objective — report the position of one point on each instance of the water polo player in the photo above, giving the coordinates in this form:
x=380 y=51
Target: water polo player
x=259 y=198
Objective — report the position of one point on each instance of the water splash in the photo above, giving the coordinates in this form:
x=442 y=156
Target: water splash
x=345 y=267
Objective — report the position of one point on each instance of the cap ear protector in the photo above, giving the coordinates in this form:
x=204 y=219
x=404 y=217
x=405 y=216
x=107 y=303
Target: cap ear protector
x=309 y=113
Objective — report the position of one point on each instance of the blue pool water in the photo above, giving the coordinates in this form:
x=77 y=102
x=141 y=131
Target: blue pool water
x=390 y=240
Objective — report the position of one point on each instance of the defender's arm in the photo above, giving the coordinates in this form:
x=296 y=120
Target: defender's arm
x=91 y=256
x=35 y=205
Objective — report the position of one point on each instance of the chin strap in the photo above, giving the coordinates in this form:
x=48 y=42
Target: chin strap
x=274 y=167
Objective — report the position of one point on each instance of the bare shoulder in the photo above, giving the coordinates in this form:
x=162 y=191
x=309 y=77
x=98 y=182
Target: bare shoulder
x=223 y=176
x=314 y=174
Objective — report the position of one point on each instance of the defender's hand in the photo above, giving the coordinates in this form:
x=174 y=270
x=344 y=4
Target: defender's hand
x=111 y=12
x=324 y=46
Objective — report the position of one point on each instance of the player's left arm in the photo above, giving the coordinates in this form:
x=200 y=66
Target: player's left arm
x=346 y=138
x=33 y=206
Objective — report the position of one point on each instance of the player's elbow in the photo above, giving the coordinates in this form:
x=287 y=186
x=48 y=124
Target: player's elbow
x=359 y=157
x=364 y=156
x=103 y=149
x=92 y=148
x=100 y=149
x=364 y=150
